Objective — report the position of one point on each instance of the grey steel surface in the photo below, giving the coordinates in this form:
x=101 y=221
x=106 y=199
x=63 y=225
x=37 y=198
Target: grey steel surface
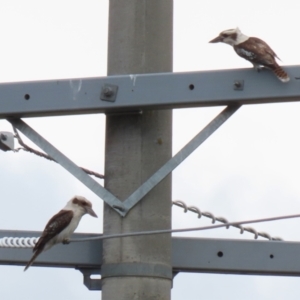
x=225 y=256
x=179 y=157
x=65 y=162
x=123 y=207
x=74 y=255
x=221 y=256
x=147 y=91
x=7 y=141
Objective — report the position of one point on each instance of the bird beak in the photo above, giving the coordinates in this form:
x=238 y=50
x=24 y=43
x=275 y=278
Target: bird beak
x=216 y=40
x=90 y=211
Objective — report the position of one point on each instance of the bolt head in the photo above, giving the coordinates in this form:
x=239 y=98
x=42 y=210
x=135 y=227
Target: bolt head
x=108 y=92
x=237 y=84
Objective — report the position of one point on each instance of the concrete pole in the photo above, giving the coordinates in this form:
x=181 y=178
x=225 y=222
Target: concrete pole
x=140 y=41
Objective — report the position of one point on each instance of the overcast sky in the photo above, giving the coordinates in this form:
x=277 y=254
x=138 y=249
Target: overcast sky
x=248 y=169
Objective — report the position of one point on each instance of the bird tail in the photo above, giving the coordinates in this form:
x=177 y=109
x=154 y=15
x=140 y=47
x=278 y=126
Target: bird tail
x=281 y=74
x=33 y=258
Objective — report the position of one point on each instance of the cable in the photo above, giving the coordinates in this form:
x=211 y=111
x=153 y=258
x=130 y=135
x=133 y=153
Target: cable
x=177 y=203
x=20 y=242
x=102 y=237
x=196 y=210
x=41 y=154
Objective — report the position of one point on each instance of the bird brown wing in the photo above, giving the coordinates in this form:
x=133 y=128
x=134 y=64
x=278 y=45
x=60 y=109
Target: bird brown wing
x=257 y=51
x=263 y=45
x=55 y=225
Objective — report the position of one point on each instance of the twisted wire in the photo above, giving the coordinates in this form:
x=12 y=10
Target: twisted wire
x=15 y=242
x=46 y=156
x=223 y=220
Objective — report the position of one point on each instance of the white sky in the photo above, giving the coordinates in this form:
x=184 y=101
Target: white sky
x=248 y=169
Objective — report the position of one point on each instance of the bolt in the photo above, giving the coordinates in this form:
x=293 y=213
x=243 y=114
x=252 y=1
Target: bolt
x=3 y=137
x=237 y=84
x=108 y=91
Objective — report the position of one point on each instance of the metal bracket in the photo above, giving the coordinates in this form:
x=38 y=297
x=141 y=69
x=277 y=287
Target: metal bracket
x=7 y=141
x=124 y=269
x=91 y=283
x=123 y=207
x=109 y=92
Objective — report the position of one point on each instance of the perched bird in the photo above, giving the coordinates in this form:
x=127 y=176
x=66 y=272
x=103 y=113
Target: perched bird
x=61 y=226
x=252 y=49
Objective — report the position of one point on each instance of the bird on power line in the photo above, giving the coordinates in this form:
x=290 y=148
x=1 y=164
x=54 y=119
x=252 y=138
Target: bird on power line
x=61 y=226
x=252 y=49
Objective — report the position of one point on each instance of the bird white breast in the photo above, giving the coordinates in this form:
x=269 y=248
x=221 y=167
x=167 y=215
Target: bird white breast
x=65 y=233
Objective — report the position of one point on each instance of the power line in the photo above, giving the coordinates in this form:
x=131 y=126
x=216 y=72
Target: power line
x=207 y=214
x=151 y=232
x=46 y=156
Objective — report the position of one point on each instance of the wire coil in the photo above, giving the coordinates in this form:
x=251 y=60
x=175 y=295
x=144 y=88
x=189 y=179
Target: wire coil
x=18 y=242
x=29 y=242
x=206 y=214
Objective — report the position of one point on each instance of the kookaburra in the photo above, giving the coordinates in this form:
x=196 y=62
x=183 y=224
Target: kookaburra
x=252 y=49
x=61 y=226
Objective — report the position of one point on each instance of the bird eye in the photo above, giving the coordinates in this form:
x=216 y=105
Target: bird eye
x=225 y=35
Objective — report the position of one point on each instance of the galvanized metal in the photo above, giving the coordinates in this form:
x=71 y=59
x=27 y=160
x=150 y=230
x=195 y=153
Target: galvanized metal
x=201 y=255
x=146 y=91
x=7 y=141
x=70 y=166
x=91 y=283
x=178 y=158
x=122 y=207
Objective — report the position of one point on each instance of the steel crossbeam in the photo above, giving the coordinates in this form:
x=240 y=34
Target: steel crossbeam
x=146 y=91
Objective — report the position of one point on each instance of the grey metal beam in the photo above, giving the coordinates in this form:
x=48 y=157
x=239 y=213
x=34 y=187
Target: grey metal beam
x=146 y=91
x=225 y=256
x=221 y=256
x=74 y=255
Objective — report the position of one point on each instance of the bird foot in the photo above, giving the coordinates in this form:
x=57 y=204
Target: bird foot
x=66 y=241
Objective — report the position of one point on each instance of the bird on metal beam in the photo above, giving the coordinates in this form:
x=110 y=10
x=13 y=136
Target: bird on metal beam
x=61 y=226
x=252 y=49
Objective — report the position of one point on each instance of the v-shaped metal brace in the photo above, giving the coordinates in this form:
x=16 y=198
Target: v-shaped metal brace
x=123 y=207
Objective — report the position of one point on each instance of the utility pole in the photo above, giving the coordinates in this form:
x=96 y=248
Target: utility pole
x=137 y=144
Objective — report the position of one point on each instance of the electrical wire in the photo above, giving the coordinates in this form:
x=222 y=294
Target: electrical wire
x=30 y=242
x=151 y=232
x=207 y=214
x=46 y=156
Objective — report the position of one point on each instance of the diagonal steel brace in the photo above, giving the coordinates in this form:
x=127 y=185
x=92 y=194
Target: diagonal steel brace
x=180 y=156
x=70 y=166
x=123 y=207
